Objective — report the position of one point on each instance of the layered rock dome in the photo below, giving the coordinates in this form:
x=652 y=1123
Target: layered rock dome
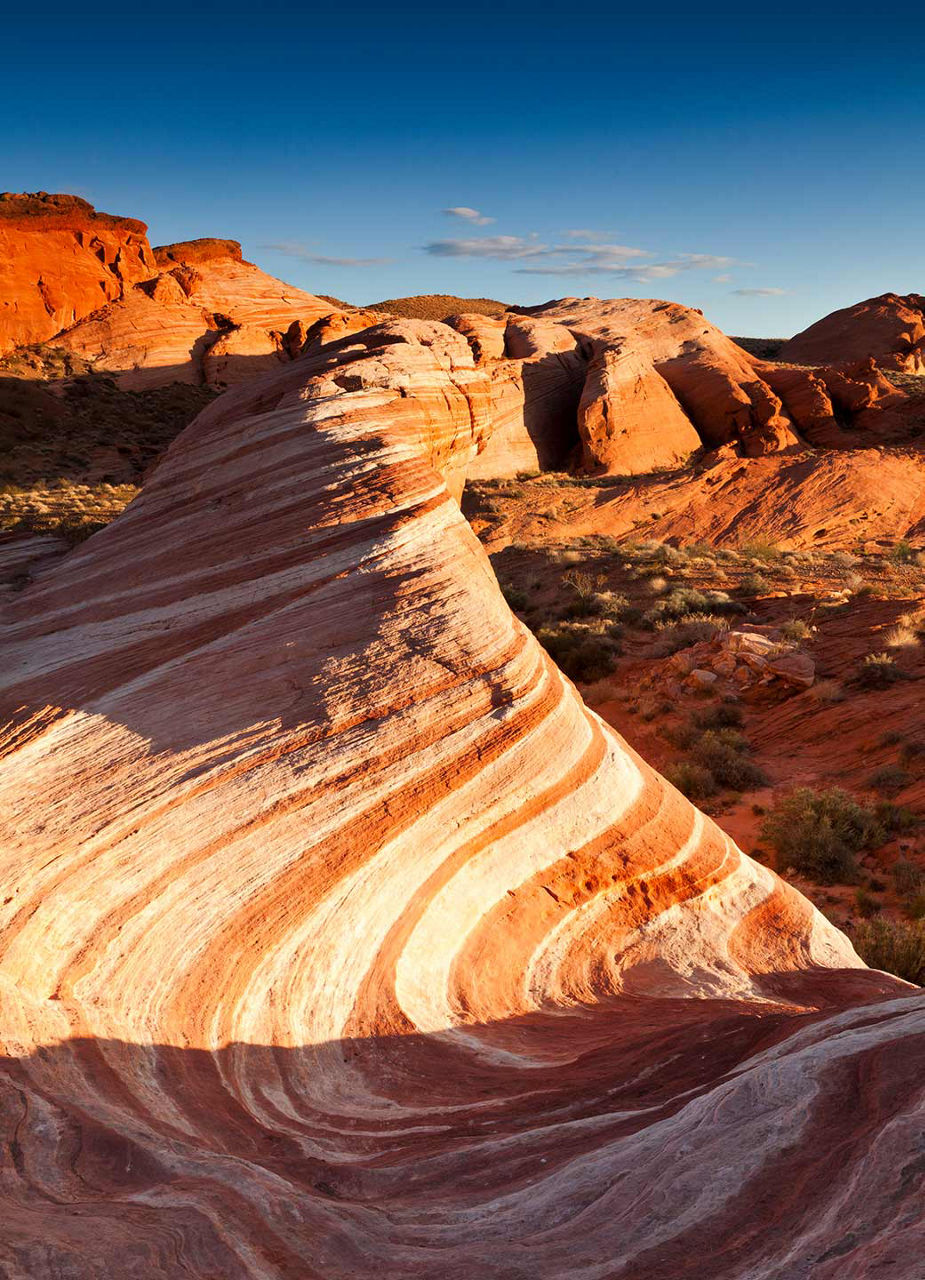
x=890 y=329
x=338 y=936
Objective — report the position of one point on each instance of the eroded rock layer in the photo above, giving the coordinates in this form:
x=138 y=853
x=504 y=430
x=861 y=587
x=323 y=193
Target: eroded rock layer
x=60 y=260
x=207 y=316
x=339 y=938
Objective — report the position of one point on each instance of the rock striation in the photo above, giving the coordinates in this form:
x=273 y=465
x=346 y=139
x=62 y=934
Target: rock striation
x=890 y=329
x=207 y=316
x=337 y=935
x=60 y=261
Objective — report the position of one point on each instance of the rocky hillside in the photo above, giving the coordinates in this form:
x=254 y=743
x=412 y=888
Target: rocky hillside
x=890 y=329
x=338 y=936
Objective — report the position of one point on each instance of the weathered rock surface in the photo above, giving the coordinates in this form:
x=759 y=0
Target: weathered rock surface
x=890 y=328
x=60 y=260
x=338 y=937
x=209 y=316
x=667 y=357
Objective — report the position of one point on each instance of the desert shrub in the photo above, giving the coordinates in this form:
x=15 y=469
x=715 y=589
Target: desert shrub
x=726 y=754
x=902 y=636
x=582 y=654
x=820 y=833
x=889 y=778
x=907 y=877
x=516 y=598
x=686 y=602
x=583 y=582
x=796 y=629
x=902 y=553
x=610 y=604
x=683 y=632
x=912 y=750
x=866 y=905
x=877 y=671
x=753 y=584
x=894 y=817
x=693 y=780
x=760 y=549
x=895 y=947
x=725 y=715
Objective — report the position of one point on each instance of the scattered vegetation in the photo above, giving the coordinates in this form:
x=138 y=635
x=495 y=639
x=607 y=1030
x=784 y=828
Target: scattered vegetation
x=889 y=778
x=878 y=671
x=894 y=946
x=820 y=833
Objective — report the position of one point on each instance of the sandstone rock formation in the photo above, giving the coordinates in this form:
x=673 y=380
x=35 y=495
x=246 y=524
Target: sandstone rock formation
x=644 y=344
x=208 y=316
x=339 y=938
x=60 y=260
x=890 y=328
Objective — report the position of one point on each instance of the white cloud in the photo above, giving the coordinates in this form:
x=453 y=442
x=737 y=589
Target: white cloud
x=512 y=248
x=760 y=293
x=475 y=216
x=582 y=233
x=727 y=279
x=507 y=247
x=295 y=249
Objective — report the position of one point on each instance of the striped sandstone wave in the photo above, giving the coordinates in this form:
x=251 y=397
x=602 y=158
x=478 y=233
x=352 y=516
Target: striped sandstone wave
x=339 y=937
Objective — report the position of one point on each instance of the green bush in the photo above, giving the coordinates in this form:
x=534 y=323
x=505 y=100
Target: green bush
x=894 y=817
x=867 y=905
x=753 y=584
x=725 y=753
x=889 y=778
x=725 y=715
x=583 y=655
x=820 y=833
x=692 y=780
x=878 y=671
x=896 y=947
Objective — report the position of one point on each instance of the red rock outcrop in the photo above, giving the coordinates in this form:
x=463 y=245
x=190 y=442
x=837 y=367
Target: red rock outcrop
x=209 y=316
x=338 y=937
x=667 y=355
x=60 y=260
x=890 y=328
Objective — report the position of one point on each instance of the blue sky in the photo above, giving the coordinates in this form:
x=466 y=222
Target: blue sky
x=765 y=165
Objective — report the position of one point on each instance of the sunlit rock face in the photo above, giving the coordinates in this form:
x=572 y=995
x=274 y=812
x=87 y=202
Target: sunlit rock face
x=339 y=938
x=206 y=317
x=60 y=260
x=889 y=328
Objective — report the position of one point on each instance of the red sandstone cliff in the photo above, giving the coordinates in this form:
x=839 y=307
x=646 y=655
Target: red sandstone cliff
x=60 y=260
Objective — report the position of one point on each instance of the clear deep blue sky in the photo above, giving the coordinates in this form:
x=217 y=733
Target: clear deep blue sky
x=703 y=150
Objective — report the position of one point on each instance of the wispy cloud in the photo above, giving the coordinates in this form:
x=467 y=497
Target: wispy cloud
x=612 y=260
x=514 y=248
x=504 y=247
x=475 y=216
x=725 y=279
x=582 y=233
x=304 y=253
x=760 y=293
